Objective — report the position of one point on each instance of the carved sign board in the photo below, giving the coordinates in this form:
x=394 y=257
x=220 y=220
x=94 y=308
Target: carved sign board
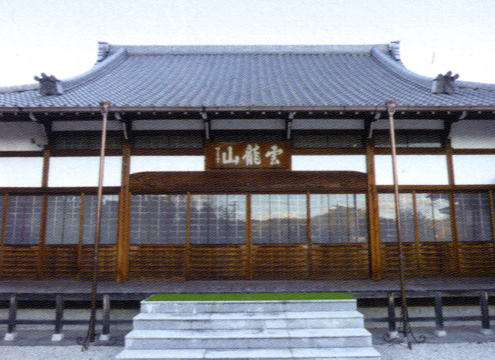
x=248 y=155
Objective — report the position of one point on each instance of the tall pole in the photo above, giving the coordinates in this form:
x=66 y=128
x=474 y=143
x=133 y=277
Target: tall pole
x=90 y=337
x=405 y=316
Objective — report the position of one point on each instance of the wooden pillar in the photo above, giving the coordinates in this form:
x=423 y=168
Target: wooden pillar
x=453 y=217
x=373 y=214
x=249 y=255
x=124 y=216
x=3 y=224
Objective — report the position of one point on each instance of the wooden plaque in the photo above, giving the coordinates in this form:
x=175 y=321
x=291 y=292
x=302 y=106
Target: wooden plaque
x=248 y=155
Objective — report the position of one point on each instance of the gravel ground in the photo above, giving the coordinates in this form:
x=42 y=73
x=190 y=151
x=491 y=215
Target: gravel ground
x=450 y=351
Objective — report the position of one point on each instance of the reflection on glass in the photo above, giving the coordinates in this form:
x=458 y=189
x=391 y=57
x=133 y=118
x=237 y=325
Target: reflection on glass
x=109 y=214
x=23 y=220
x=62 y=221
x=158 y=219
x=473 y=217
x=279 y=219
x=338 y=218
x=388 y=217
x=218 y=219
x=433 y=217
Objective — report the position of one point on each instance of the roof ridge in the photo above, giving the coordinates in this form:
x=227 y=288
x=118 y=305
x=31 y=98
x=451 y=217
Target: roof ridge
x=398 y=68
x=96 y=70
x=140 y=50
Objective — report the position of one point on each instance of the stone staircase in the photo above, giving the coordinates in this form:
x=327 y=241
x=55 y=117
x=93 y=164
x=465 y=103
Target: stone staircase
x=237 y=330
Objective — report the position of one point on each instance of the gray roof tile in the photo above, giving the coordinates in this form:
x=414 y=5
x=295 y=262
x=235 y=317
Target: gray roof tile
x=245 y=76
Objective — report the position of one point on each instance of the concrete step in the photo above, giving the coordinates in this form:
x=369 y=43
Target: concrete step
x=362 y=353
x=208 y=307
x=247 y=339
x=274 y=320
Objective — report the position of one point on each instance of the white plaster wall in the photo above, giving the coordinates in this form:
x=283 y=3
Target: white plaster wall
x=477 y=134
x=329 y=163
x=412 y=170
x=474 y=169
x=167 y=163
x=22 y=136
x=21 y=171
x=84 y=171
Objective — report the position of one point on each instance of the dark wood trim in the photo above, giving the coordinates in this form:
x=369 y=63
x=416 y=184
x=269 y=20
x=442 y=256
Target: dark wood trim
x=492 y=213
x=162 y=152
x=81 y=237
x=329 y=151
x=3 y=229
x=436 y=188
x=473 y=151
x=187 y=260
x=373 y=214
x=411 y=151
x=309 y=234
x=42 y=235
x=111 y=190
x=419 y=268
x=455 y=237
x=83 y=153
x=450 y=163
x=21 y=153
x=235 y=181
x=46 y=168
x=249 y=242
x=124 y=213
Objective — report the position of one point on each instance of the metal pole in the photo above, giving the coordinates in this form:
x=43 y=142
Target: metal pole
x=90 y=337
x=405 y=316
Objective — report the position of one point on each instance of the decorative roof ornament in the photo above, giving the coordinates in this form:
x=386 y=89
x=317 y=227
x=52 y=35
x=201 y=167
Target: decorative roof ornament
x=444 y=84
x=103 y=50
x=49 y=85
x=394 y=48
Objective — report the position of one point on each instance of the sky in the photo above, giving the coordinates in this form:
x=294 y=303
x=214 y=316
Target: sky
x=60 y=37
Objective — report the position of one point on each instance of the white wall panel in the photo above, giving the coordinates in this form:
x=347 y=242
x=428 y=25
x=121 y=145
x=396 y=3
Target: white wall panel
x=329 y=163
x=21 y=171
x=84 y=171
x=474 y=169
x=412 y=170
x=167 y=163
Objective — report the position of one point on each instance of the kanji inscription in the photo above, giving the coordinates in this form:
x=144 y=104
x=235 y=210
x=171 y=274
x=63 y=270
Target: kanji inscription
x=248 y=155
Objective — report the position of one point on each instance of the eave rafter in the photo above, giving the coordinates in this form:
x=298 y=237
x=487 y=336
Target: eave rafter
x=207 y=114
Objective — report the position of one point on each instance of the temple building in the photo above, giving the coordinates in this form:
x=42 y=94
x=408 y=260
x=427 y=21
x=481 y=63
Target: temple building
x=247 y=162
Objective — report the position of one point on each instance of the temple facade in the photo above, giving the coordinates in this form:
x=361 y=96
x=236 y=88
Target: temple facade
x=247 y=162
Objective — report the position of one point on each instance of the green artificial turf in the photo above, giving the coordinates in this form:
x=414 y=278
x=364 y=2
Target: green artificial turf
x=251 y=296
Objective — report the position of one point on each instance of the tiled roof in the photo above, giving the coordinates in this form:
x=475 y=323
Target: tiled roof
x=248 y=76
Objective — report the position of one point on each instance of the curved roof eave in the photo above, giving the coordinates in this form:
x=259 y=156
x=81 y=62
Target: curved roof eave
x=353 y=108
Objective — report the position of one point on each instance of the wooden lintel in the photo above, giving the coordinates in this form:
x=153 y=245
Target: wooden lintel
x=248 y=181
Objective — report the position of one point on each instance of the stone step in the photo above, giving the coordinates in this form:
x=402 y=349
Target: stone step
x=361 y=353
x=274 y=320
x=200 y=307
x=247 y=339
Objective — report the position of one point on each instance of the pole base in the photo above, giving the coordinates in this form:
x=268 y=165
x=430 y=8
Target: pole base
x=10 y=336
